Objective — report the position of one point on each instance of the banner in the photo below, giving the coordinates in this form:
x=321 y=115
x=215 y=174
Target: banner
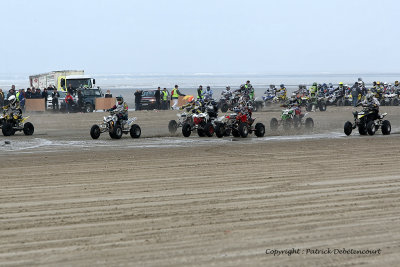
x=34 y=104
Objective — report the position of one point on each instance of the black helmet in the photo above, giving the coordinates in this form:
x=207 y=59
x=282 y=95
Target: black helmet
x=282 y=85
x=120 y=98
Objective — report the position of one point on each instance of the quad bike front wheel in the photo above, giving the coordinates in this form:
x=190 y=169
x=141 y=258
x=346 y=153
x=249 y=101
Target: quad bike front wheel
x=371 y=127
x=209 y=129
x=117 y=132
x=172 y=126
x=243 y=130
x=135 y=131
x=259 y=129
x=362 y=129
x=220 y=130
x=274 y=124
x=386 y=127
x=28 y=128
x=186 y=130
x=348 y=128
x=95 y=131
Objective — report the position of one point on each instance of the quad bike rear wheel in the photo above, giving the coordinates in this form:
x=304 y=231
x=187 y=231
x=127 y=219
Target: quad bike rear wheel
x=7 y=129
x=274 y=124
x=309 y=124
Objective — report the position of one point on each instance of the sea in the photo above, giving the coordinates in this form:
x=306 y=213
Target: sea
x=126 y=84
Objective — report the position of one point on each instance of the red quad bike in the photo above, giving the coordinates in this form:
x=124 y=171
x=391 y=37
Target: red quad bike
x=240 y=124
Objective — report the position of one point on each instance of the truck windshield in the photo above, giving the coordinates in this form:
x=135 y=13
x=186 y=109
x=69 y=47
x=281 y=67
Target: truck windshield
x=79 y=83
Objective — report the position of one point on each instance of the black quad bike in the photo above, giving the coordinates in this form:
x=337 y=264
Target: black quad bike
x=368 y=121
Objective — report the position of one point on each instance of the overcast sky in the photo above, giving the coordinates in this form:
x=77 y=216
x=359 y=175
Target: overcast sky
x=208 y=36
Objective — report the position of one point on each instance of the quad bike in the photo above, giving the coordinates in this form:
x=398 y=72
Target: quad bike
x=116 y=127
x=227 y=101
x=183 y=118
x=316 y=102
x=202 y=123
x=292 y=116
x=203 y=120
x=335 y=99
x=10 y=122
x=368 y=122
x=240 y=124
x=389 y=100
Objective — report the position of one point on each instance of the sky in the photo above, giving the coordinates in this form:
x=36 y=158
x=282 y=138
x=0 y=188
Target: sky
x=208 y=36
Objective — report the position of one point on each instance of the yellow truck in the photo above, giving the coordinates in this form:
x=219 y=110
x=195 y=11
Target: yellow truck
x=62 y=79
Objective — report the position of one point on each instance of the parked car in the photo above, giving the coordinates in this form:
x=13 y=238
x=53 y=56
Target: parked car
x=149 y=100
x=89 y=100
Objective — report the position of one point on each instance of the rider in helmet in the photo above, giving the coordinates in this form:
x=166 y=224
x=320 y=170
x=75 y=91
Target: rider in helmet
x=372 y=104
x=227 y=93
x=282 y=92
x=396 y=87
x=121 y=108
x=250 y=89
x=208 y=94
x=13 y=107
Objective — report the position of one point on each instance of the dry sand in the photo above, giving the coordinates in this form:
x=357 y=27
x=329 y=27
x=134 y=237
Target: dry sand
x=174 y=201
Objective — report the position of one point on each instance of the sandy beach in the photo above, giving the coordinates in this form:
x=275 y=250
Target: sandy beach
x=68 y=200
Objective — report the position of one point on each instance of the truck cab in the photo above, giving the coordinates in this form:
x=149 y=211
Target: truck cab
x=76 y=81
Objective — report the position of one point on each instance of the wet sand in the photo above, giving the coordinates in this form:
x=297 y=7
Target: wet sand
x=175 y=201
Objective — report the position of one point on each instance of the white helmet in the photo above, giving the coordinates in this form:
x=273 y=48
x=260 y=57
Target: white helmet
x=385 y=83
x=12 y=99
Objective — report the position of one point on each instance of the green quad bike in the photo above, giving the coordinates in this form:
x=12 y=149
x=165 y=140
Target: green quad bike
x=292 y=117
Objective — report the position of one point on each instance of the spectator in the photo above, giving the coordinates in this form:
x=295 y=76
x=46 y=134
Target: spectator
x=68 y=102
x=37 y=94
x=70 y=90
x=28 y=93
x=164 y=101
x=1 y=98
x=157 y=95
x=138 y=99
x=21 y=98
x=80 y=100
x=45 y=95
x=108 y=94
x=54 y=101
x=11 y=91
x=175 y=96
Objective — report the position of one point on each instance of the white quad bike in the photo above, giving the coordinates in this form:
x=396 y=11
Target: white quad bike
x=116 y=127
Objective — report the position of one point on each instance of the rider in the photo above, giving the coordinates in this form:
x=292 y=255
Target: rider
x=396 y=87
x=341 y=89
x=13 y=107
x=121 y=109
x=372 y=104
x=208 y=94
x=250 y=89
x=282 y=92
x=227 y=93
